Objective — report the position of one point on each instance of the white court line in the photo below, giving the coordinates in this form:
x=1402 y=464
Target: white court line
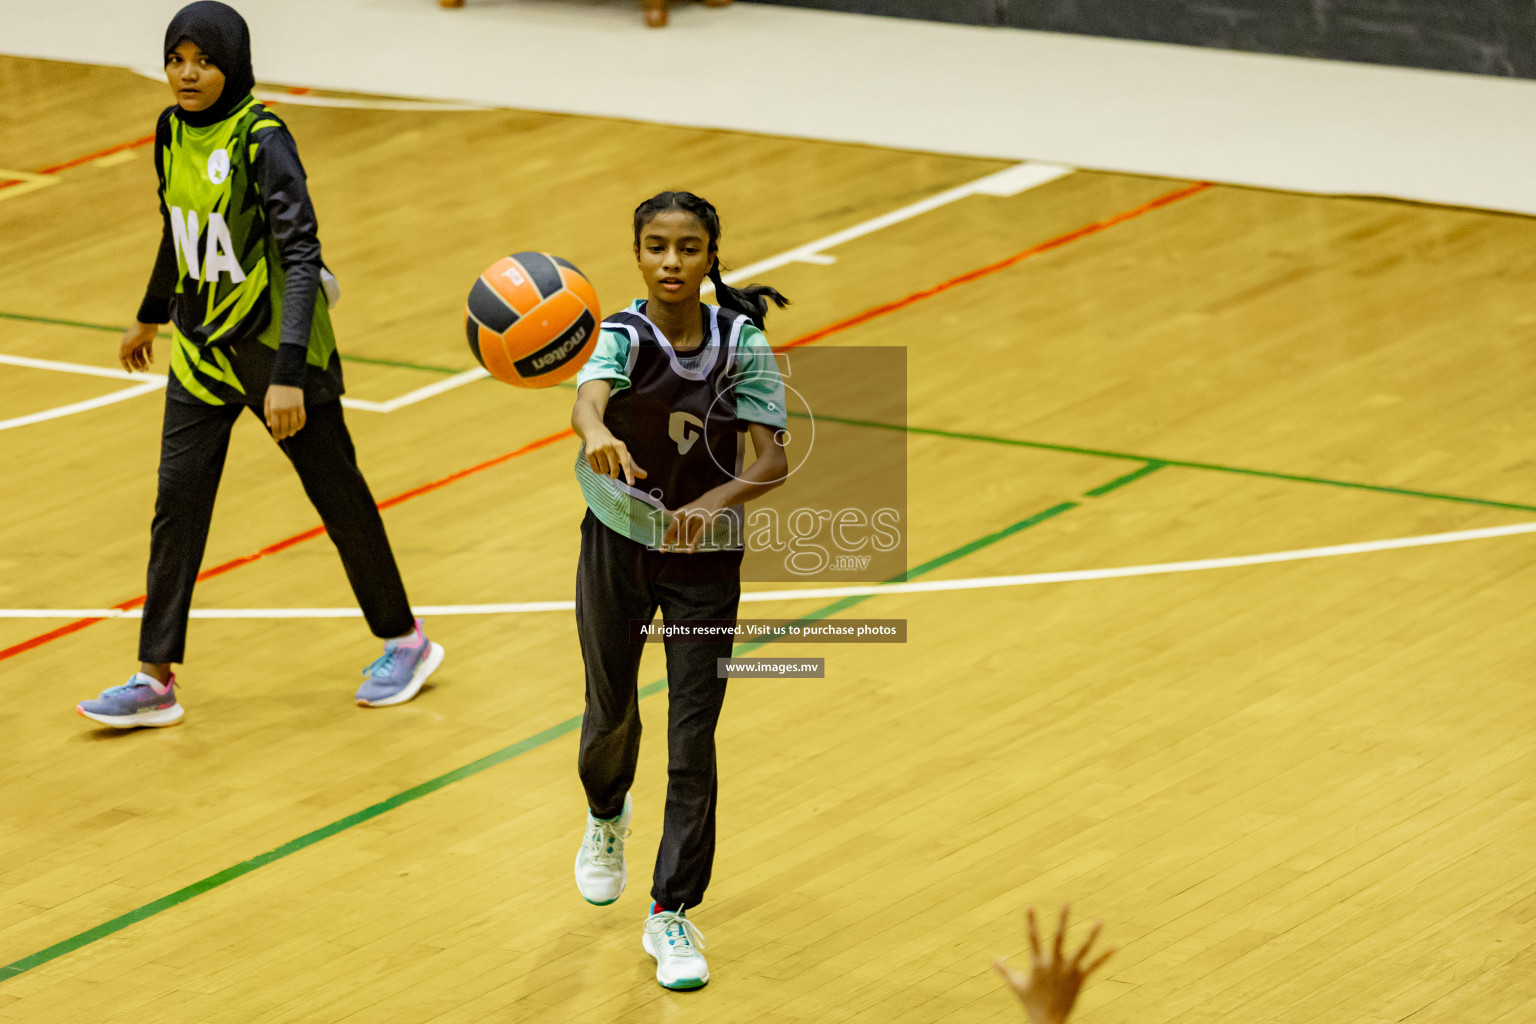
x=974 y=583
x=89 y=371
x=158 y=381
x=278 y=96
x=420 y=394
x=1010 y=181
x=356 y=102
x=148 y=382
x=362 y=404
x=92 y=403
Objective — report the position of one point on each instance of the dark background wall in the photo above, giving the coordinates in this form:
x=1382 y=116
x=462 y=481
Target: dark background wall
x=1490 y=37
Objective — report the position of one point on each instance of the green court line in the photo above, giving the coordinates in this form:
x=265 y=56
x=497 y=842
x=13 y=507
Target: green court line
x=398 y=364
x=1153 y=462
x=1213 y=467
x=522 y=746
x=58 y=322
x=1129 y=478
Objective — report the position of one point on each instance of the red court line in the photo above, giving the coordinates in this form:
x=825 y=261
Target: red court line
x=77 y=161
x=992 y=268
x=120 y=147
x=43 y=638
x=842 y=325
x=288 y=542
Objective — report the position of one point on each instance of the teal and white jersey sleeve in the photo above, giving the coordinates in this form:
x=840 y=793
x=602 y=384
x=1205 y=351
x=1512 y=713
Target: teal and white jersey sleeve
x=758 y=384
x=609 y=361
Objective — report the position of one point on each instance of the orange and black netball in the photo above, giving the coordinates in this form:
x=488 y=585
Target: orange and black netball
x=532 y=319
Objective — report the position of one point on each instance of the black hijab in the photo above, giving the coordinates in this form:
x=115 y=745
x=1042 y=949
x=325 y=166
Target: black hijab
x=220 y=32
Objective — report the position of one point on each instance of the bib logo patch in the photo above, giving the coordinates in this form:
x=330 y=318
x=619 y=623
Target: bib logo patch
x=678 y=428
x=218 y=166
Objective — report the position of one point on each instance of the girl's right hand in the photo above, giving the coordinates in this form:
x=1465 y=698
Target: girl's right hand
x=137 y=350
x=609 y=456
x=1050 y=989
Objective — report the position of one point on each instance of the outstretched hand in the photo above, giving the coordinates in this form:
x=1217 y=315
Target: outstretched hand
x=1049 y=990
x=610 y=457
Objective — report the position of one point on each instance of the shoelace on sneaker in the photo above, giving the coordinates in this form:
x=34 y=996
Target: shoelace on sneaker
x=688 y=939
x=602 y=835
x=123 y=688
x=383 y=665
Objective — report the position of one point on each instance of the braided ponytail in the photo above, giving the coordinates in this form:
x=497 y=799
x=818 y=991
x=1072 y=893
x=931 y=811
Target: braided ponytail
x=754 y=298
x=751 y=300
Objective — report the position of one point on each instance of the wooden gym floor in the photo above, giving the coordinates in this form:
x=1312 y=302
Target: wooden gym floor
x=1296 y=791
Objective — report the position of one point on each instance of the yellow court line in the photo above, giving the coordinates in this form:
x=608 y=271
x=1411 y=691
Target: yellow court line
x=122 y=156
x=28 y=182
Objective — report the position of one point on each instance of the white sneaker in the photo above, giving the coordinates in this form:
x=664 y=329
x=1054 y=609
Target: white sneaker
x=678 y=945
x=600 y=871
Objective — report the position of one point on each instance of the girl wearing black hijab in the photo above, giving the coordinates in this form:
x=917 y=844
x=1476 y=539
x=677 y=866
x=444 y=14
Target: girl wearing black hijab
x=239 y=277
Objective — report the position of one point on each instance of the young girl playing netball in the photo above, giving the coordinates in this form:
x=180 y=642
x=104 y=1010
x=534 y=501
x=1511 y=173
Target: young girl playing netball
x=239 y=277
x=661 y=408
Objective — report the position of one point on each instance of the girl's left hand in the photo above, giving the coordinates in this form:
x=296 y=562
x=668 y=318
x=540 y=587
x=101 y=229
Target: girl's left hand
x=285 y=411
x=689 y=525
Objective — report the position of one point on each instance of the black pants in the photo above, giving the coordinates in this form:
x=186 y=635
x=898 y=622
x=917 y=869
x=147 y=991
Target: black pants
x=618 y=580
x=193 y=444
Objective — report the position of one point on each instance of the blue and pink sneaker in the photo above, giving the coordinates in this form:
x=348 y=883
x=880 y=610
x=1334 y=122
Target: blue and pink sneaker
x=142 y=701
x=396 y=676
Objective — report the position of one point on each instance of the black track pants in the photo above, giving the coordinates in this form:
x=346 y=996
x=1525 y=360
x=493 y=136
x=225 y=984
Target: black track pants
x=193 y=444
x=618 y=579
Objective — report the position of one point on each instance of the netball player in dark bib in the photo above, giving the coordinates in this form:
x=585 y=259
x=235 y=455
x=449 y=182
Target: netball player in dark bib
x=240 y=279
x=663 y=408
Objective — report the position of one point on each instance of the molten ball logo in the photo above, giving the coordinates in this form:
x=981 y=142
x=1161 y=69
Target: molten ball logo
x=562 y=350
